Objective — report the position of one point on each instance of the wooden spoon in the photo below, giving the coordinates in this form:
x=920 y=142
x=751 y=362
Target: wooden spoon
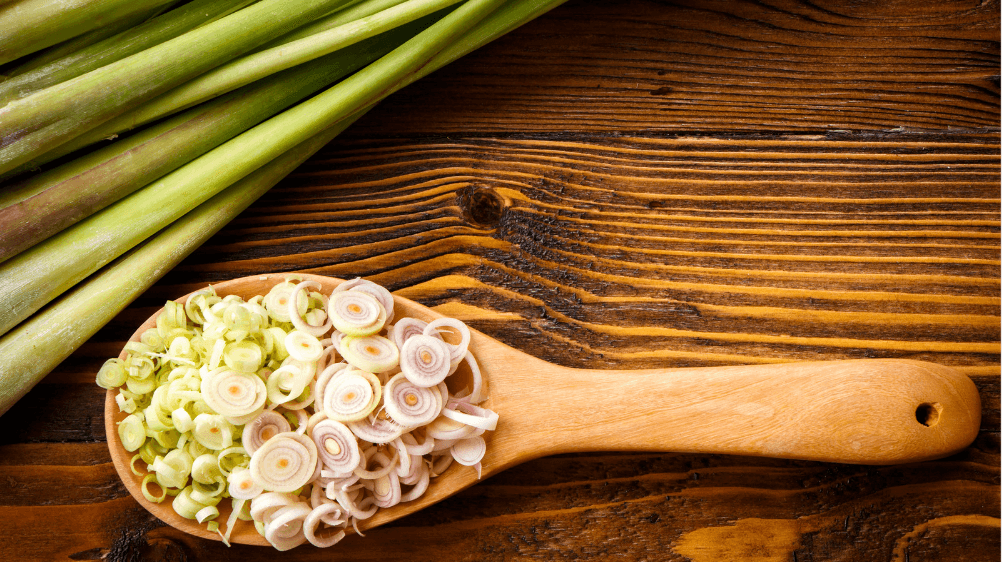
x=871 y=411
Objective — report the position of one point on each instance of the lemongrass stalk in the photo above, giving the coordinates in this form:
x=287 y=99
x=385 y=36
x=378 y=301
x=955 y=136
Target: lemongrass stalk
x=70 y=46
x=49 y=202
x=172 y=101
x=32 y=25
x=131 y=40
x=41 y=343
x=254 y=67
x=35 y=124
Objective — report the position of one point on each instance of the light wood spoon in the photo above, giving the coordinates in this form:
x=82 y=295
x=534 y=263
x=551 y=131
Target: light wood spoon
x=871 y=411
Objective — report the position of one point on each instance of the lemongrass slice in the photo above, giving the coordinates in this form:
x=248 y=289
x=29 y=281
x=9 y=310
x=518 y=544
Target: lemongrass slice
x=406 y=328
x=355 y=313
x=285 y=462
x=132 y=432
x=276 y=302
x=262 y=428
x=386 y=490
x=233 y=393
x=264 y=506
x=457 y=351
x=380 y=293
x=476 y=393
x=351 y=395
x=205 y=469
x=322 y=379
x=151 y=478
x=287 y=383
x=410 y=404
x=112 y=374
x=206 y=513
x=311 y=524
x=376 y=429
x=447 y=429
x=213 y=431
x=425 y=360
x=386 y=465
x=336 y=446
x=242 y=485
x=245 y=356
x=470 y=414
x=285 y=530
x=297 y=317
x=374 y=354
x=418 y=448
x=303 y=346
x=419 y=487
x=469 y=451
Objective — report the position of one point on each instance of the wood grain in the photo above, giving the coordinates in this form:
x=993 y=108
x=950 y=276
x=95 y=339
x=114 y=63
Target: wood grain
x=633 y=185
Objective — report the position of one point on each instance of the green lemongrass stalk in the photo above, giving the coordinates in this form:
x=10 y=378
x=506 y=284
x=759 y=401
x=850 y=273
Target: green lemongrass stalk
x=132 y=40
x=78 y=251
x=41 y=343
x=254 y=67
x=28 y=26
x=35 y=124
x=52 y=201
x=185 y=96
x=70 y=46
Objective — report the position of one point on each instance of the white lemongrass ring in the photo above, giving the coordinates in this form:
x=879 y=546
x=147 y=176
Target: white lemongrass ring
x=377 y=430
x=336 y=445
x=386 y=490
x=297 y=317
x=264 y=506
x=351 y=395
x=407 y=328
x=303 y=346
x=476 y=393
x=322 y=514
x=233 y=394
x=384 y=297
x=242 y=485
x=418 y=448
x=286 y=384
x=410 y=404
x=444 y=428
x=420 y=485
x=285 y=529
x=386 y=465
x=469 y=451
x=457 y=351
x=285 y=462
x=355 y=313
x=266 y=425
x=332 y=517
x=472 y=415
x=276 y=302
x=425 y=360
x=440 y=464
x=374 y=354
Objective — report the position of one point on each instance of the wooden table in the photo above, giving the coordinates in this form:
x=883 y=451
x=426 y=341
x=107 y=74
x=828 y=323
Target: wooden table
x=632 y=184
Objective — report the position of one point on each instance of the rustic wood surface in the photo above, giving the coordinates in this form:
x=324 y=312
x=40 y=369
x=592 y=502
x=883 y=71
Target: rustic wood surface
x=632 y=185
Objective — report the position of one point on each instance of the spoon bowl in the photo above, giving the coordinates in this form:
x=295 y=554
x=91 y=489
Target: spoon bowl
x=870 y=411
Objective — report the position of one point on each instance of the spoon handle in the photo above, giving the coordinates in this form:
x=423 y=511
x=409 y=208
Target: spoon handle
x=860 y=411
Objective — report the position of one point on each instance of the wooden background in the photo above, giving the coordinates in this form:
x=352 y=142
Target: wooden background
x=632 y=184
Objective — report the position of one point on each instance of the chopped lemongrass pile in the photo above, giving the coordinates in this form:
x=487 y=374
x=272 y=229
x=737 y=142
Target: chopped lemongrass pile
x=308 y=412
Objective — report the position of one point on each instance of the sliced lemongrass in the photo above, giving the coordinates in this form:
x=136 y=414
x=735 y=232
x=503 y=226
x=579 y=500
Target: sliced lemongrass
x=237 y=509
x=476 y=392
x=218 y=346
x=374 y=354
x=311 y=526
x=409 y=404
x=297 y=317
x=132 y=433
x=262 y=428
x=469 y=451
x=207 y=494
x=351 y=395
x=303 y=346
x=333 y=515
x=440 y=464
x=233 y=393
x=264 y=506
x=386 y=490
x=205 y=469
x=337 y=446
x=212 y=431
x=285 y=529
x=444 y=428
x=302 y=419
x=127 y=405
x=472 y=415
x=151 y=478
x=277 y=302
x=386 y=466
x=245 y=356
x=285 y=462
x=322 y=379
x=206 y=513
x=132 y=465
x=287 y=383
x=112 y=374
x=355 y=313
x=364 y=509
x=248 y=417
x=380 y=293
x=406 y=328
x=418 y=448
x=457 y=351
x=173 y=468
x=419 y=486
x=305 y=398
x=241 y=485
x=376 y=429
x=425 y=360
